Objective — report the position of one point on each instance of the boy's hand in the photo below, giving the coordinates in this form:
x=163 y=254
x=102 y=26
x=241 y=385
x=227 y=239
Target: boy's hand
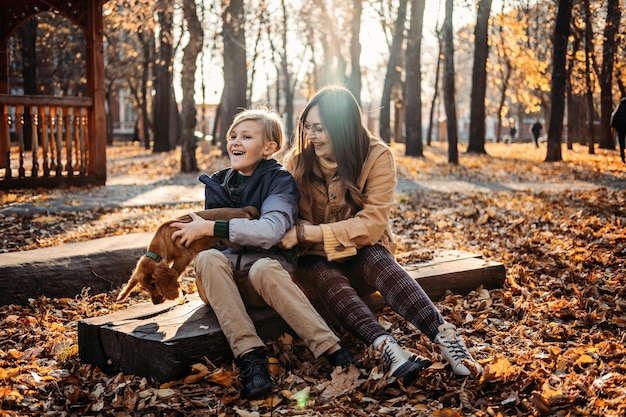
x=290 y=239
x=194 y=230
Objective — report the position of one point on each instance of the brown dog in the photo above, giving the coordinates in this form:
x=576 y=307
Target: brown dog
x=158 y=270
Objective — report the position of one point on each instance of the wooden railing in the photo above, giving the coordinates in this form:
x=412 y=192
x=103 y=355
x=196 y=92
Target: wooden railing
x=44 y=141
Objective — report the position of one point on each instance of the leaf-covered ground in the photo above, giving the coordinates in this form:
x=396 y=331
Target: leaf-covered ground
x=552 y=340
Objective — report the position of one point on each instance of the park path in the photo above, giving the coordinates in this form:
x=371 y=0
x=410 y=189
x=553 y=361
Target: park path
x=125 y=191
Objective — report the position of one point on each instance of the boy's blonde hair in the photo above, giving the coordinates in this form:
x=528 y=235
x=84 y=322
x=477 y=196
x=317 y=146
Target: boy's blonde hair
x=270 y=120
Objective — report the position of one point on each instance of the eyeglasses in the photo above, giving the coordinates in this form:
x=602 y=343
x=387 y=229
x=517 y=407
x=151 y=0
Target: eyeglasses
x=316 y=129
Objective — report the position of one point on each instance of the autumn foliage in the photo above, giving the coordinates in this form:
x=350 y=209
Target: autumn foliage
x=552 y=340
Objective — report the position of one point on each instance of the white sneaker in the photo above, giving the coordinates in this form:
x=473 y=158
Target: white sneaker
x=454 y=351
x=402 y=363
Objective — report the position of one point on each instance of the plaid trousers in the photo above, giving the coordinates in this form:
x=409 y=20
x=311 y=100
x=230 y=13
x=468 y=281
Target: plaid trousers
x=373 y=268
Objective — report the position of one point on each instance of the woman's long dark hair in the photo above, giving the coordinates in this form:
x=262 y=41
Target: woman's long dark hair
x=342 y=120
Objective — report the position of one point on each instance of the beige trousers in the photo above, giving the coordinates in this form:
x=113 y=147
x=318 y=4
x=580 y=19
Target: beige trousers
x=267 y=283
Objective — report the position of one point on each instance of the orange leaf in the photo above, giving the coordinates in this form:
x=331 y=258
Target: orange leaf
x=222 y=378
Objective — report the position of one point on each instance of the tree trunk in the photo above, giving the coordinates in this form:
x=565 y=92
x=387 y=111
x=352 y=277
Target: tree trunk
x=413 y=82
x=505 y=85
x=589 y=91
x=391 y=74
x=188 y=162
x=557 y=95
x=613 y=15
x=573 y=106
x=235 y=70
x=148 y=52
x=448 y=85
x=433 y=102
x=284 y=64
x=479 y=80
x=163 y=78
x=354 y=80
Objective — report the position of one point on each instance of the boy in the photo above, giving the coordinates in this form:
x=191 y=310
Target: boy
x=255 y=272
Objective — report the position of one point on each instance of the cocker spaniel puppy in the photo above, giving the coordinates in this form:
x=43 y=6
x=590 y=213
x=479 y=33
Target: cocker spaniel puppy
x=159 y=269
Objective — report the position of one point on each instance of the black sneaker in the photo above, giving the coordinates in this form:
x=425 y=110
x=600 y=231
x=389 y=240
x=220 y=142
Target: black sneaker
x=342 y=358
x=255 y=379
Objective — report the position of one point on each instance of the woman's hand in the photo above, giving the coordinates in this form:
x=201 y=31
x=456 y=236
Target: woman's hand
x=194 y=230
x=290 y=239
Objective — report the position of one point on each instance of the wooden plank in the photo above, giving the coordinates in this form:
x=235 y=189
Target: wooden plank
x=179 y=335
x=460 y=276
x=30 y=100
x=63 y=271
x=440 y=257
x=176 y=335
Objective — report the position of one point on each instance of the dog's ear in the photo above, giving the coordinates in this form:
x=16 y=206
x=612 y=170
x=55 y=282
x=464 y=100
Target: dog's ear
x=166 y=283
x=132 y=283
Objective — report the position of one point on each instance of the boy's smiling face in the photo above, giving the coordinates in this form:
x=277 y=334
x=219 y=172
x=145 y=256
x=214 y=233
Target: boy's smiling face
x=246 y=146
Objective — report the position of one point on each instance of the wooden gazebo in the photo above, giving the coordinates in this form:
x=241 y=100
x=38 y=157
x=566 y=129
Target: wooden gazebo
x=68 y=144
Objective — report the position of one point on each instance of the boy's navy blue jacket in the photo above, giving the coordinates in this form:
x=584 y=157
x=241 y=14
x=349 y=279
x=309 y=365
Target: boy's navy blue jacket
x=273 y=191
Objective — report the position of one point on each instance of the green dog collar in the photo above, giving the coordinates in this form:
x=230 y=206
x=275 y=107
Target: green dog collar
x=153 y=256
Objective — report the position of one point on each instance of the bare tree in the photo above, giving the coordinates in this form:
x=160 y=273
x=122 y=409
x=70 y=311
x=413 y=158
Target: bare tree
x=557 y=95
x=146 y=39
x=130 y=55
x=573 y=98
x=163 y=77
x=413 y=81
x=391 y=75
x=233 y=98
x=285 y=72
x=354 y=79
x=448 y=85
x=433 y=102
x=589 y=84
x=188 y=162
x=611 y=27
x=479 y=79
x=504 y=68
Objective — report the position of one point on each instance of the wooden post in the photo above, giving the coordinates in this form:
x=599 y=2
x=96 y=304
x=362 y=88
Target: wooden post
x=67 y=122
x=34 y=126
x=59 y=141
x=96 y=121
x=5 y=153
x=19 y=131
x=45 y=139
x=4 y=89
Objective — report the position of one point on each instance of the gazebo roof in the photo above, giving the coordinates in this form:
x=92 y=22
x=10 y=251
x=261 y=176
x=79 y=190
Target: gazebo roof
x=14 y=12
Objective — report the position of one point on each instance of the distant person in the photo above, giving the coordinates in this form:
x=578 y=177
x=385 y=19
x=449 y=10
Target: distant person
x=512 y=133
x=618 y=123
x=535 y=129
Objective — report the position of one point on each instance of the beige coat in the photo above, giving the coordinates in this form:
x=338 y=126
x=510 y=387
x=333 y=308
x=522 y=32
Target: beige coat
x=343 y=229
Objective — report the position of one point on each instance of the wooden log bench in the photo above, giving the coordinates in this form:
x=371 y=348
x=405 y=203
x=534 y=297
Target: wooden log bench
x=101 y=265
x=177 y=335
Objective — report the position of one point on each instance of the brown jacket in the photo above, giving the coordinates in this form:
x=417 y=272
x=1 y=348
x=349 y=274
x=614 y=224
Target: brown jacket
x=351 y=229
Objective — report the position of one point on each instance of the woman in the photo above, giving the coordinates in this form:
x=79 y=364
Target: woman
x=346 y=178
